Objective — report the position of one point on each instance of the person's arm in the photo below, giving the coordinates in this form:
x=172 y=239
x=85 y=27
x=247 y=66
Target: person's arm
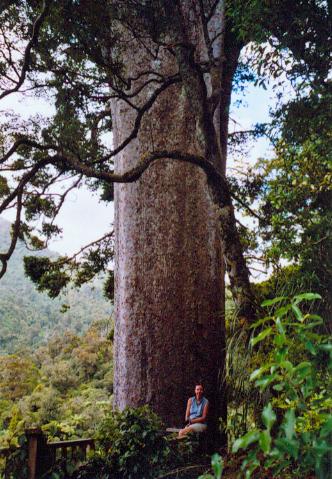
x=203 y=418
x=188 y=410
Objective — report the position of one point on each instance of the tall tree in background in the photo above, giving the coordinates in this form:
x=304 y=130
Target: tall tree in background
x=158 y=71
x=169 y=266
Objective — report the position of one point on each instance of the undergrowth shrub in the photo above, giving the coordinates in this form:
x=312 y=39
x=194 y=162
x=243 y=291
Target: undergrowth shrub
x=132 y=444
x=295 y=436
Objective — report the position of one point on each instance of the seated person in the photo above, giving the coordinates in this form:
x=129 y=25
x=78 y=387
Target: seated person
x=196 y=413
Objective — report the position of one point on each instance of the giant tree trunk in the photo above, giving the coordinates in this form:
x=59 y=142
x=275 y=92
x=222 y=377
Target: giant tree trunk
x=169 y=289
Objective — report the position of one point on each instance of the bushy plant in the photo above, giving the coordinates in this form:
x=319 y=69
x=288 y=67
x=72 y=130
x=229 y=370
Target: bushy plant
x=217 y=465
x=296 y=422
x=133 y=443
x=16 y=464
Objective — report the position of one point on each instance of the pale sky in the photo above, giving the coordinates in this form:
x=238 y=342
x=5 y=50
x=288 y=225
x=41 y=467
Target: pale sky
x=83 y=217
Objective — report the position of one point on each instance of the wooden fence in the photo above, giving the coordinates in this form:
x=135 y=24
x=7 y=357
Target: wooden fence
x=42 y=455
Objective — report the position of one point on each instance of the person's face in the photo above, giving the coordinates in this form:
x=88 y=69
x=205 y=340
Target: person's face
x=199 y=392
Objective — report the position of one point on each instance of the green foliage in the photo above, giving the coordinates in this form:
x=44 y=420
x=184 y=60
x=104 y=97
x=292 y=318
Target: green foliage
x=133 y=443
x=217 y=465
x=64 y=387
x=17 y=461
x=29 y=318
x=40 y=270
x=18 y=376
x=297 y=423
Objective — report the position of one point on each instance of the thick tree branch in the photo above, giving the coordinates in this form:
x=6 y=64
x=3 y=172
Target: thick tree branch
x=27 y=142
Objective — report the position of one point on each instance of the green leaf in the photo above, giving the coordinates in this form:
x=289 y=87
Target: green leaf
x=270 y=302
x=298 y=313
x=303 y=369
x=326 y=428
x=262 y=335
x=326 y=347
x=282 y=311
x=265 y=441
x=310 y=347
x=258 y=372
x=244 y=441
x=280 y=327
x=278 y=387
x=314 y=324
x=261 y=321
x=287 y=365
x=217 y=465
x=306 y=297
x=287 y=446
x=289 y=424
x=268 y=416
x=280 y=340
x=314 y=317
x=264 y=382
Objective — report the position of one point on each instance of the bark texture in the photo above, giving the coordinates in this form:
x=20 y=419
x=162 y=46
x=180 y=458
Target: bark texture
x=169 y=329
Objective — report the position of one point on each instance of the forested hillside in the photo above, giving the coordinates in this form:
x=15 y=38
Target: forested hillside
x=30 y=318
x=64 y=386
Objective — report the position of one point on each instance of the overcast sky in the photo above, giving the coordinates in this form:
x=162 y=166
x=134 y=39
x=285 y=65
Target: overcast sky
x=83 y=217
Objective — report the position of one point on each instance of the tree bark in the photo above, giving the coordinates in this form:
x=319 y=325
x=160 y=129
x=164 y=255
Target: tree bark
x=169 y=290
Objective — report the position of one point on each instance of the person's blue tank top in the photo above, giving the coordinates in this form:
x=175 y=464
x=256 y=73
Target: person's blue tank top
x=196 y=410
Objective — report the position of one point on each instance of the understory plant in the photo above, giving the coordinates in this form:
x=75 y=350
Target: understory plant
x=296 y=422
x=132 y=443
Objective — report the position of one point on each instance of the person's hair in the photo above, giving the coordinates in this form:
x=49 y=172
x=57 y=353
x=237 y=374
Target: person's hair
x=199 y=383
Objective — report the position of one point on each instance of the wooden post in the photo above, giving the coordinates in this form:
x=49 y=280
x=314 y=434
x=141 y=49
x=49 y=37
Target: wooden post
x=40 y=456
x=35 y=437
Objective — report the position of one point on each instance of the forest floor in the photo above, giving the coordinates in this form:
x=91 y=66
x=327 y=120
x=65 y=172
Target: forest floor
x=232 y=470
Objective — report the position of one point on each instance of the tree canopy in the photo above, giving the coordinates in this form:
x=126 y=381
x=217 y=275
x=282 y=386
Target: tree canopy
x=70 y=54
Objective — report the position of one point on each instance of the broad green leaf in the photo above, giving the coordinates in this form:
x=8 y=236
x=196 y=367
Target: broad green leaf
x=262 y=335
x=289 y=424
x=298 y=313
x=264 y=382
x=278 y=387
x=314 y=324
x=268 y=416
x=244 y=441
x=258 y=372
x=280 y=327
x=326 y=428
x=282 y=311
x=281 y=353
x=217 y=465
x=270 y=302
x=287 y=446
x=307 y=297
x=265 y=441
x=310 y=347
x=261 y=321
x=314 y=317
x=303 y=369
x=326 y=347
x=280 y=340
x=287 y=365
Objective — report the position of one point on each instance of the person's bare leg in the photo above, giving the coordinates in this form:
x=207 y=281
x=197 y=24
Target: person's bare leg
x=183 y=432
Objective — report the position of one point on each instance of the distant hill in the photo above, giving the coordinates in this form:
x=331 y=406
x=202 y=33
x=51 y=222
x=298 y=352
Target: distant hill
x=29 y=318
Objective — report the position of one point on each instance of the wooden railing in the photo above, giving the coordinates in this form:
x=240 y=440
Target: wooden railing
x=42 y=455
